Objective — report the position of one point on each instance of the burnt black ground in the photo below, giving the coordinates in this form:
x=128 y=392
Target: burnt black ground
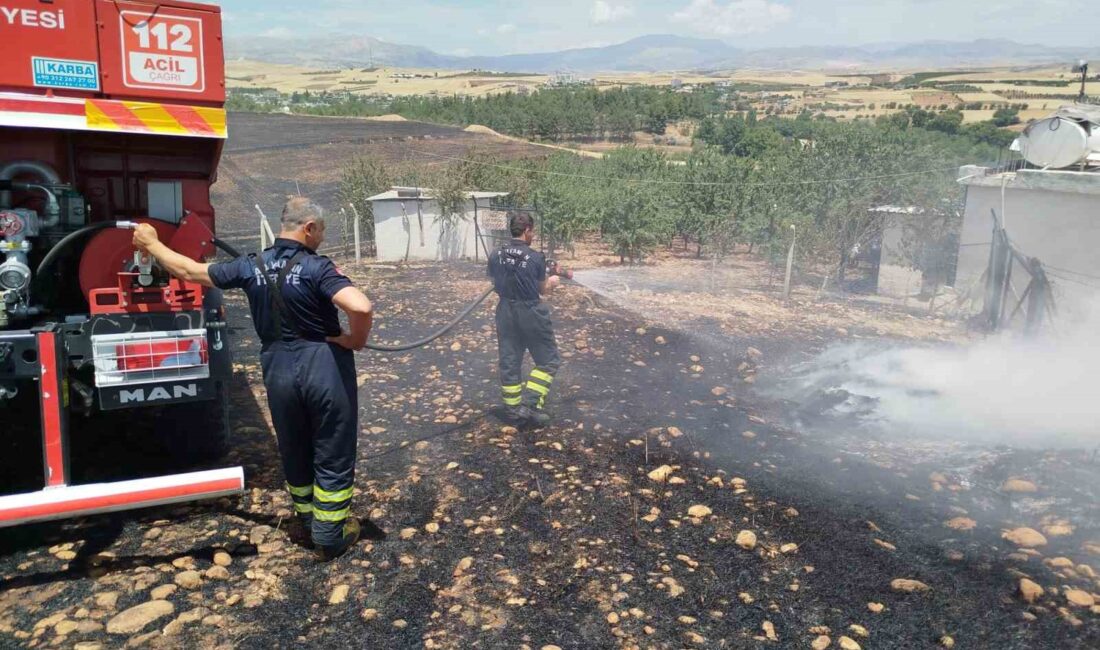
x=559 y=532
x=551 y=542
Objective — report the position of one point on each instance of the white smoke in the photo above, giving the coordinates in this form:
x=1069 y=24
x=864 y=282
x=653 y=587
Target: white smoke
x=1029 y=392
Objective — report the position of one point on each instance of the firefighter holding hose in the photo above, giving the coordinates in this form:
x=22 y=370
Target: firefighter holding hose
x=519 y=274
x=308 y=365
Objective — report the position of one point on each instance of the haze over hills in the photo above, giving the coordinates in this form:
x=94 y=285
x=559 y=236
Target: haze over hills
x=652 y=53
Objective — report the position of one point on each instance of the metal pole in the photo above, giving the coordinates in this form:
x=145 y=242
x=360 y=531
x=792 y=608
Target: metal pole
x=477 y=231
x=790 y=265
x=358 y=253
x=267 y=237
x=344 y=213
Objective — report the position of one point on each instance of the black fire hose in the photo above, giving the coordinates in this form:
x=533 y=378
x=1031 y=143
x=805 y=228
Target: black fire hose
x=404 y=346
x=436 y=334
x=68 y=240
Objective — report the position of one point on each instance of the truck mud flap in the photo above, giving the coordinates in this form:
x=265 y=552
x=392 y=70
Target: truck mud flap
x=112 y=398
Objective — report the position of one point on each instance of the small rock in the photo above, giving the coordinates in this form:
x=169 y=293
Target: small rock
x=1030 y=591
x=188 y=579
x=789 y=548
x=1025 y=537
x=1018 y=485
x=106 y=600
x=369 y=614
x=699 y=511
x=1080 y=598
x=876 y=608
x=135 y=619
x=821 y=642
x=213 y=620
x=947 y=642
x=1058 y=530
x=847 y=643
x=859 y=630
x=88 y=645
x=694 y=638
x=660 y=474
x=687 y=620
x=718 y=391
x=221 y=558
x=769 y=630
x=746 y=539
x=550 y=647
x=407 y=533
x=456 y=347
x=748 y=435
x=613 y=618
x=431 y=527
x=675 y=432
x=217 y=572
x=463 y=565
x=186 y=562
x=905 y=585
x=65 y=626
x=162 y=592
x=339 y=594
x=660 y=340
x=960 y=523
x=400 y=624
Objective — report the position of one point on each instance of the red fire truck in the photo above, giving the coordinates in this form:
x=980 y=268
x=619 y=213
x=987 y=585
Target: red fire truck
x=111 y=113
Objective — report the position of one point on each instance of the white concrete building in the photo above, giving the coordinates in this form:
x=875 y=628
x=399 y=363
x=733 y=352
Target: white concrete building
x=1052 y=215
x=407 y=225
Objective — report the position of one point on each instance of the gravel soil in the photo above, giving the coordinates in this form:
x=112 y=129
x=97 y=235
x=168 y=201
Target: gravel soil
x=587 y=534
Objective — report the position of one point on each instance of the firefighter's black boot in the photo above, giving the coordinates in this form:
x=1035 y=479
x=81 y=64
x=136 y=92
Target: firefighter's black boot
x=513 y=415
x=333 y=551
x=298 y=530
x=533 y=417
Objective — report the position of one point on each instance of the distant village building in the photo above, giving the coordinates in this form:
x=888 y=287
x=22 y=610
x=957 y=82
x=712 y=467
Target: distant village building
x=562 y=79
x=675 y=84
x=408 y=225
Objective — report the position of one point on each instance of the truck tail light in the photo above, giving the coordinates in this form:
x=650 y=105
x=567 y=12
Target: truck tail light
x=146 y=357
x=161 y=354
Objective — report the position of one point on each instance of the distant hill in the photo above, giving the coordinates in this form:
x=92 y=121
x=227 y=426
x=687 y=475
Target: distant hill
x=653 y=53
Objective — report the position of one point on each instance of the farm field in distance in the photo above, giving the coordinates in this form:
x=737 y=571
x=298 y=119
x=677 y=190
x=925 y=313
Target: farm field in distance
x=845 y=95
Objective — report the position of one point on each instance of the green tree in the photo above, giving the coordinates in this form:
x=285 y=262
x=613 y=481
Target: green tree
x=362 y=177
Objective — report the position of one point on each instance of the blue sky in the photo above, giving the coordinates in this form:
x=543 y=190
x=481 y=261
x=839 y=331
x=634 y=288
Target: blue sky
x=503 y=27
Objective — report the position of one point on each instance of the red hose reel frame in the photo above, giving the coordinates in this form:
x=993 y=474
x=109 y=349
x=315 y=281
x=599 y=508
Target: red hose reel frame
x=110 y=290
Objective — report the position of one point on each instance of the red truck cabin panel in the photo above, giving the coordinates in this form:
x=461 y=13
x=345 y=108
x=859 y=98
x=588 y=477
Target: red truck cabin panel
x=126 y=50
x=49 y=45
x=161 y=51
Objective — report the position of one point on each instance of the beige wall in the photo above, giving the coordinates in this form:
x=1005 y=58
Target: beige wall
x=425 y=236
x=1058 y=223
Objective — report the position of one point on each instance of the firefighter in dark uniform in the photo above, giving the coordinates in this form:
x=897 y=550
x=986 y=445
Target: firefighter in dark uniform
x=308 y=365
x=523 y=323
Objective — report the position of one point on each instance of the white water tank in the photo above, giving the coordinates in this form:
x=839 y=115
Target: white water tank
x=1069 y=137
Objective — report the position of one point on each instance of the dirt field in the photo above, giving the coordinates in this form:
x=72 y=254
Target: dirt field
x=266 y=154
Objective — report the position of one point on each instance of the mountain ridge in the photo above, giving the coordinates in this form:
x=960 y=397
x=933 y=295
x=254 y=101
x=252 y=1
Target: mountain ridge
x=653 y=52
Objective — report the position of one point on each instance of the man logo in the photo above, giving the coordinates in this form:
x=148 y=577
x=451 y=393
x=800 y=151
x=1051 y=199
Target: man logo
x=159 y=394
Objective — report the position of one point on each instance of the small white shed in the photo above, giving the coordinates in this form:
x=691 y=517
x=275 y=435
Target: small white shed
x=407 y=225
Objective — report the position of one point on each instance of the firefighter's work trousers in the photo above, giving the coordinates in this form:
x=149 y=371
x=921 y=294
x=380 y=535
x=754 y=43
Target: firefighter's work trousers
x=312 y=393
x=525 y=326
